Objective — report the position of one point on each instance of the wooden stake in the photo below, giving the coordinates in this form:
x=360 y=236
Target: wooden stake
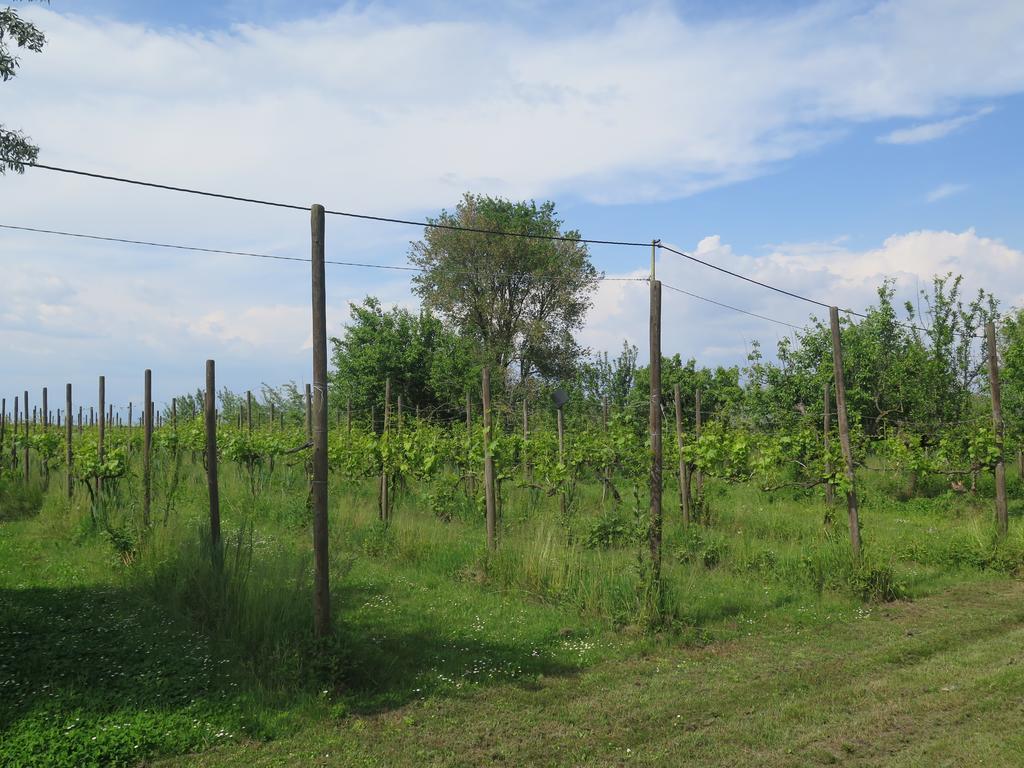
x=526 y=439
x=45 y=415
x=385 y=497
x=844 y=432
x=14 y=443
x=147 y=445
x=489 y=492
x=318 y=416
x=1002 y=514
x=684 y=480
x=654 y=527
x=830 y=489
x=25 y=457
x=212 y=487
x=562 y=500
x=69 y=453
x=698 y=476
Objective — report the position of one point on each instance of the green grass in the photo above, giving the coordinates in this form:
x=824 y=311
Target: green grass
x=119 y=646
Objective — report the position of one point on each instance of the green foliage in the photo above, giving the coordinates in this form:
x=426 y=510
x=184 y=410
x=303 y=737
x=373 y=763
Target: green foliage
x=519 y=300
x=15 y=147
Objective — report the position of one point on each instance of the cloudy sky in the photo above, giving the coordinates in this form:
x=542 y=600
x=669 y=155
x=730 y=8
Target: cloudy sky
x=818 y=146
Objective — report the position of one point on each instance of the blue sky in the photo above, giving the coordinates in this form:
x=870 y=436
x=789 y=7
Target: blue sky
x=821 y=146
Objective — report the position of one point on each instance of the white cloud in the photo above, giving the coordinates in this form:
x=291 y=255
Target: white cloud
x=827 y=272
x=945 y=190
x=931 y=131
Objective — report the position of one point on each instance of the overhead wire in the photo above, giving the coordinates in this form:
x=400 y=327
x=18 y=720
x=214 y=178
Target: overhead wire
x=438 y=225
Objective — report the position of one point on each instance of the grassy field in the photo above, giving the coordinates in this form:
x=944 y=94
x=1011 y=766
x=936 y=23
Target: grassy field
x=118 y=648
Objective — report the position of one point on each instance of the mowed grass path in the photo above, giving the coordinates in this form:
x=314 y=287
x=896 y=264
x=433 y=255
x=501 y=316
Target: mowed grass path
x=936 y=682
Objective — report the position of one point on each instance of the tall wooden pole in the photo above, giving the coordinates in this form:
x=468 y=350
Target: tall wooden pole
x=212 y=487
x=69 y=462
x=684 y=481
x=45 y=417
x=830 y=489
x=321 y=565
x=1002 y=514
x=147 y=445
x=654 y=526
x=844 y=432
x=489 y=491
x=25 y=456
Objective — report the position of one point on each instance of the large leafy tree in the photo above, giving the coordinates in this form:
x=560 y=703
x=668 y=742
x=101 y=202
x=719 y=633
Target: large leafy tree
x=16 y=33
x=520 y=300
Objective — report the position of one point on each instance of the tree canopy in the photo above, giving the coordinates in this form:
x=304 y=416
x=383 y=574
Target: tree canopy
x=518 y=299
x=15 y=147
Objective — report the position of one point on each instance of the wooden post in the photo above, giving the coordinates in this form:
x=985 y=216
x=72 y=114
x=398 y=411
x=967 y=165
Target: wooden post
x=45 y=415
x=68 y=453
x=1002 y=514
x=489 y=494
x=321 y=575
x=79 y=419
x=248 y=409
x=562 y=501
x=14 y=443
x=830 y=490
x=385 y=497
x=131 y=419
x=210 y=415
x=25 y=455
x=605 y=478
x=309 y=412
x=470 y=481
x=844 y=431
x=147 y=446
x=654 y=527
x=684 y=490
x=698 y=476
x=526 y=439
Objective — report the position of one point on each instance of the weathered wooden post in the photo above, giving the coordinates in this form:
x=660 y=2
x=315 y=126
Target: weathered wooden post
x=213 y=489
x=385 y=496
x=1002 y=514
x=147 y=446
x=25 y=456
x=684 y=480
x=844 y=432
x=321 y=564
x=490 y=498
x=69 y=452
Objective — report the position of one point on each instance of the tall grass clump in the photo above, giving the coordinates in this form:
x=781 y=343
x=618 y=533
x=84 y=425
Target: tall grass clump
x=250 y=594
